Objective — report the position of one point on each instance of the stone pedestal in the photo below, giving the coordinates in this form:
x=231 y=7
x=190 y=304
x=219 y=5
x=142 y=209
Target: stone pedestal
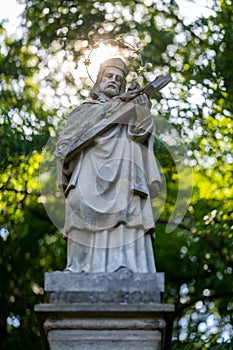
x=117 y=311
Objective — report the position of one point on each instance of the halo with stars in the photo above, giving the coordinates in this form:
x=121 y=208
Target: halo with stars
x=119 y=41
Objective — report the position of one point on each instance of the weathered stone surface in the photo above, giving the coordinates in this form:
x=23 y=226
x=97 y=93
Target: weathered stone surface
x=105 y=326
x=121 y=280
x=108 y=173
x=122 y=286
x=96 y=340
x=104 y=297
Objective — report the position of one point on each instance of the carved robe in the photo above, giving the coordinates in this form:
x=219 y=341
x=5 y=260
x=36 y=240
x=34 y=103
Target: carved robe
x=107 y=170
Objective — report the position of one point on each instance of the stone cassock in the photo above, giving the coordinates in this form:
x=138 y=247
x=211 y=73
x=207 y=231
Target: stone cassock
x=107 y=170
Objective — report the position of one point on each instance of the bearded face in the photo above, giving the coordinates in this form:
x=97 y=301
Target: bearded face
x=110 y=91
x=111 y=82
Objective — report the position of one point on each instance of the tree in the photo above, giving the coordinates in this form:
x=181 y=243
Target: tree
x=26 y=233
x=39 y=87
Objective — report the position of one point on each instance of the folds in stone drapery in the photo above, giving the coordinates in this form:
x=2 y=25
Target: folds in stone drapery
x=109 y=175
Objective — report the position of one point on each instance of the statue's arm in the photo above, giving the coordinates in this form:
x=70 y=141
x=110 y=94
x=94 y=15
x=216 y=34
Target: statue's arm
x=150 y=89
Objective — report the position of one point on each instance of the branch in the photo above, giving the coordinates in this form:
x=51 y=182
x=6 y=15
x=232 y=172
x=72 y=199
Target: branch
x=188 y=28
x=180 y=310
x=180 y=225
x=212 y=244
x=19 y=191
x=209 y=240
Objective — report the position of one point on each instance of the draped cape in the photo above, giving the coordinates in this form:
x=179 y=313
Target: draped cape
x=108 y=172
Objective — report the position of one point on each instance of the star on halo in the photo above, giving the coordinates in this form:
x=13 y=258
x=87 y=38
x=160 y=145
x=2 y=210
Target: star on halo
x=118 y=39
x=137 y=50
x=87 y=61
x=141 y=70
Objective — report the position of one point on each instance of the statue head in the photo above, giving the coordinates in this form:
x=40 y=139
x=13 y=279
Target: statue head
x=111 y=78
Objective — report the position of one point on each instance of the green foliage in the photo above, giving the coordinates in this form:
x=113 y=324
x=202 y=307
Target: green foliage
x=39 y=88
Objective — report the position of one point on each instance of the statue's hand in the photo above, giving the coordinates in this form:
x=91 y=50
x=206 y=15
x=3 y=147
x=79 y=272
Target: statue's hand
x=128 y=96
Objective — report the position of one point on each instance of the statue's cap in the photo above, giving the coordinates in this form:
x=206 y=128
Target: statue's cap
x=115 y=62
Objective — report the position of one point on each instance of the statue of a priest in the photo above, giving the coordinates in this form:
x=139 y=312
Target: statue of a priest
x=107 y=170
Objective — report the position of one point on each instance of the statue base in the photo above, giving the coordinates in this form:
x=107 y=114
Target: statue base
x=98 y=311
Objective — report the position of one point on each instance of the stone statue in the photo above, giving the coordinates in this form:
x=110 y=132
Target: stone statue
x=107 y=170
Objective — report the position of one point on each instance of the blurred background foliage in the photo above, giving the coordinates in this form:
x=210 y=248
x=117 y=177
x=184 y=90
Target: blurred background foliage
x=40 y=86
